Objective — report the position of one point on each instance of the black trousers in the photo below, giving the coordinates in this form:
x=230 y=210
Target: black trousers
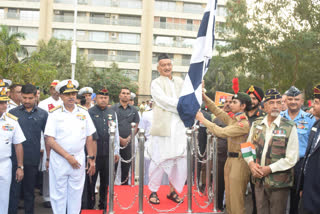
x=27 y=185
x=294 y=196
x=126 y=155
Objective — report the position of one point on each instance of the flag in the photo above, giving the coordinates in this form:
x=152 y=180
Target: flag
x=248 y=149
x=190 y=98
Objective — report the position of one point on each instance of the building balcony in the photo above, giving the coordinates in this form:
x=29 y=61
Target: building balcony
x=115 y=58
x=176 y=62
x=98 y=20
x=106 y=3
x=176 y=26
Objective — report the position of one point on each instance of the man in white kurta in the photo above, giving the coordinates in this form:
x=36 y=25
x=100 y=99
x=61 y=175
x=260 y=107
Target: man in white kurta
x=169 y=142
x=50 y=103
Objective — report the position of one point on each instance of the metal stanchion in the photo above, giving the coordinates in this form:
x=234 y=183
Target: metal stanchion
x=215 y=173
x=141 y=169
x=133 y=128
x=195 y=146
x=189 y=163
x=208 y=173
x=111 y=167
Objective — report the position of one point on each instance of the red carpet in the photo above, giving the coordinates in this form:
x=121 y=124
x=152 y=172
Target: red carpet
x=125 y=196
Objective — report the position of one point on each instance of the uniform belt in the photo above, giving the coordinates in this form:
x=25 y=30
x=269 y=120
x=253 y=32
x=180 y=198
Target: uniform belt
x=233 y=154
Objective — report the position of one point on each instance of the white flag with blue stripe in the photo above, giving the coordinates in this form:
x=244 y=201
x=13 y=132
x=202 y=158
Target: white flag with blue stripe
x=190 y=98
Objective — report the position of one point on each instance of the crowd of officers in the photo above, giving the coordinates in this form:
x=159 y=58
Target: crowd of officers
x=66 y=136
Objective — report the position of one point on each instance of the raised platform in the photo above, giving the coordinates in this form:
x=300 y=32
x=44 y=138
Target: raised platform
x=127 y=197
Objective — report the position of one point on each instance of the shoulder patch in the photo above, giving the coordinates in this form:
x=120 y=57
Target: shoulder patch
x=56 y=108
x=80 y=106
x=12 y=116
x=241 y=117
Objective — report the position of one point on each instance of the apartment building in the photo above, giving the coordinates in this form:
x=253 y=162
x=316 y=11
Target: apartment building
x=131 y=33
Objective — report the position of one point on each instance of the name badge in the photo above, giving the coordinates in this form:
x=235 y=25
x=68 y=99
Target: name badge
x=314 y=129
x=259 y=127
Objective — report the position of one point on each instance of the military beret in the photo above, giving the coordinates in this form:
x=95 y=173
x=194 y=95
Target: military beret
x=256 y=91
x=86 y=90
x=293 y=91
x=272 y=94
x=67 y=86
x=103 y=91
x=316 y=91
x=242 y=96
x=163 y=56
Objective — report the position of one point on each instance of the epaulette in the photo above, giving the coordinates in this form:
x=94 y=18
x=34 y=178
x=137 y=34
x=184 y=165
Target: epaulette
x=12 y=116
x=82 y=107
x=55 y=108
x=309 y=115
x=241 y=117
x=290 y=122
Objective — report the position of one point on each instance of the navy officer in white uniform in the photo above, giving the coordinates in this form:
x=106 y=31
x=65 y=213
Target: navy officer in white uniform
x=69 y=129
x=10 y=133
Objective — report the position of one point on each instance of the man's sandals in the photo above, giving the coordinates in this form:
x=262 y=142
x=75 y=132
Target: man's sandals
x=153 y=198
x=173 y=196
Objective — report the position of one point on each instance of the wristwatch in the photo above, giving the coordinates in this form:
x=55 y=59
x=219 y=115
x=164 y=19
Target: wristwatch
x=90 y=157
x=21 y=167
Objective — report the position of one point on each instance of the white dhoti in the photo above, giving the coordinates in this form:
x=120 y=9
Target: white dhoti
x=168 y=154
x=66 y=184
x=5 y=182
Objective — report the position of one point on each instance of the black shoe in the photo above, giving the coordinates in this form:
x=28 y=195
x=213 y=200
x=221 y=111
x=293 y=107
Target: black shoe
x=47 y=204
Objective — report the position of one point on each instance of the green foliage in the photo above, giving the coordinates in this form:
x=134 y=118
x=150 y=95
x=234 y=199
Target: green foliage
x=272 y=44
x=113 y=80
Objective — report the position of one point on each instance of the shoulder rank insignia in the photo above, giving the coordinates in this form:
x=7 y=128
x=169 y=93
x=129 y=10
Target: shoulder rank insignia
x=52 y=110
x=80 y=106
x=12 y=116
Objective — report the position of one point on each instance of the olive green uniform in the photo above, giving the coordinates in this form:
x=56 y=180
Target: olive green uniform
x=236 y=170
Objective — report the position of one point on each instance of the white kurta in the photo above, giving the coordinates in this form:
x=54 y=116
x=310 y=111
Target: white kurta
x=168 y=153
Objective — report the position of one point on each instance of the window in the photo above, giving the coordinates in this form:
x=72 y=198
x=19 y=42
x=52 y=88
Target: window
x=131 y=74
x=192 y=8
x=128 y=56
x=63 y=34
x=29 y=15
x=2 y=13
x=128 y=3
x=155 y=74
x=163 y=41
x=221 y=10
x=30 y=32
x=99 y=3
x=129 y=20
x=165 y=5
x=98 y=55
x=129 y=38
x=96 y=36
x=12 y=13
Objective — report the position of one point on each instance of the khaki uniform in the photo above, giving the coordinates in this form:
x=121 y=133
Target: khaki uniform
x=236 y=170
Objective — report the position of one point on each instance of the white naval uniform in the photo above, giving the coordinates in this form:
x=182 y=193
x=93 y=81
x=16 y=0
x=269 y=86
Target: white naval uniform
x=11 y=105
x=10 y=132
x=46 y=105
x=168 y=153
x=70 y=130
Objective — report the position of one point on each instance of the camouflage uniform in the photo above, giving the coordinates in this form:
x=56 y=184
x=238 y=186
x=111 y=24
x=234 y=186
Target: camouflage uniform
x=272 y=191
x=236 y=170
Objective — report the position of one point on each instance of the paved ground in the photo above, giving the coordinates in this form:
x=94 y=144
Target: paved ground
x=39 y=209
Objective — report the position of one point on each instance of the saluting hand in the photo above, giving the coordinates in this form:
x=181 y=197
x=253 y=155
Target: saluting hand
x=19 y=175
x=73 y=162
x=92 y=167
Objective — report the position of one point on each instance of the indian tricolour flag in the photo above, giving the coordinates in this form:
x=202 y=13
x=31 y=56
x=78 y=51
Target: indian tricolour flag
x=248 y=149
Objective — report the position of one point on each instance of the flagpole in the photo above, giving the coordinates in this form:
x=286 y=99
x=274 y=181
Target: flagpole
x=73 y=60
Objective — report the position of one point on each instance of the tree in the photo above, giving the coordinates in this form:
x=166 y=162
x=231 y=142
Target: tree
x=272 y=44
x=113 y=80
x=9 y=47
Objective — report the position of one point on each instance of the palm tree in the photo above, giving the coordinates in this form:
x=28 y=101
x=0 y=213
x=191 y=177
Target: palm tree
x=9 y=47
